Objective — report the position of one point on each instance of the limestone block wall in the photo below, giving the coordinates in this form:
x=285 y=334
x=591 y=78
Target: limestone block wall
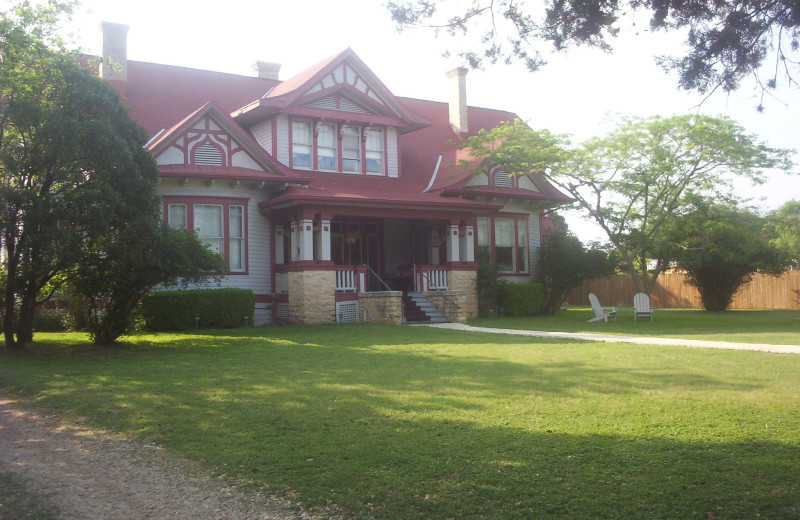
x=311 y=296
x=466 y=281
x=452 y=303
x=383 y=307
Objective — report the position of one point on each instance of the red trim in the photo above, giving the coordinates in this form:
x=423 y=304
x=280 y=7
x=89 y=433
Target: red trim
x=226 y=203
x=263 y=298
x=346 y=297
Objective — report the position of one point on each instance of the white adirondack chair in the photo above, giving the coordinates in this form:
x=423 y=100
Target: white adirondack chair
x=600 y=312
x=641 y=306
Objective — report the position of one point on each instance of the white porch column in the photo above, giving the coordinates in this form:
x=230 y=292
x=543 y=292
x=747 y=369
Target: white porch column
x=277 y=245
x=467 y=244
x=323 y=238
x=306 y=240
x=453 y=249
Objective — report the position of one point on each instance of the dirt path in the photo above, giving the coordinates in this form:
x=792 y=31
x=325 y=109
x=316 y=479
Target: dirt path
x=79 y=474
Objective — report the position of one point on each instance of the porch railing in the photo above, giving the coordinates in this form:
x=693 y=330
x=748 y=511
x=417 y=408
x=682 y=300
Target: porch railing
x=351 y=279
x=430 y=278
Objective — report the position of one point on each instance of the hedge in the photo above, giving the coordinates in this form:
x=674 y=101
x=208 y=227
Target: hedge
x=517 y=298
x=216 y=308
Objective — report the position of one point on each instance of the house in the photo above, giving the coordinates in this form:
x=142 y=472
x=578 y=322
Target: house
x=327 y=195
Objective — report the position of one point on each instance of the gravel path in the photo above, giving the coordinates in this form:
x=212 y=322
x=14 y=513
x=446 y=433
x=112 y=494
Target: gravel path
x=82 y=474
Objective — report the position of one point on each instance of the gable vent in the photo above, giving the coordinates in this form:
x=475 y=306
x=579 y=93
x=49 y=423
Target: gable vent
x=503 y=180
x=207 y=155
x=341 y=104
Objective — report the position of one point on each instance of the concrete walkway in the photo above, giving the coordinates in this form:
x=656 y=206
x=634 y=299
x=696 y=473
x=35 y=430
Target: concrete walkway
x=639 y=340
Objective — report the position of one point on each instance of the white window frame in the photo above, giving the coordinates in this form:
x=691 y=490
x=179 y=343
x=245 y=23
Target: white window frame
x=374 y=151
x=236 y=251
x=351 y=155
x=302 y=143
x=215 y=242
x=173 y=218
x=324 y=149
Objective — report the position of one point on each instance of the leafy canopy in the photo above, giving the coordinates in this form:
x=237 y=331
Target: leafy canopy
x=725 y=41
x=637 y=179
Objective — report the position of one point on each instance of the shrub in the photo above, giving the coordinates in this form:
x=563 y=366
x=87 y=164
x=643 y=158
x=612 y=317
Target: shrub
x=50 y=320
x=216 y=308
x=490 y=283
x=517 y=298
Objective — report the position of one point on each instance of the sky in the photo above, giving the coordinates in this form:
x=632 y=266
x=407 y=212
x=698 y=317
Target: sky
x=576 y=93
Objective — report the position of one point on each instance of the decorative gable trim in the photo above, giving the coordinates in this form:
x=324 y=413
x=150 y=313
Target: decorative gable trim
x=344 y=74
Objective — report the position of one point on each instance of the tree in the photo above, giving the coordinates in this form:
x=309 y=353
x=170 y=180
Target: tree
x=785 y=223
x=636 y=180
x=720 y=247
x=78 y=187
x=564 y=263
x=114 y=276
x=726 y=41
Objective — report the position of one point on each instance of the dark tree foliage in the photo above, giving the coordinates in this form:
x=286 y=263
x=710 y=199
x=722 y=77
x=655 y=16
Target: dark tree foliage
x=720 y=247
x=490 y=284
x=565 y=263
x=785 y=224
x=725 y=40
x=77 y=188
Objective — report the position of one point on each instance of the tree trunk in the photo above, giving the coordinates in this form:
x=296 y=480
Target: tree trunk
x=9 y=300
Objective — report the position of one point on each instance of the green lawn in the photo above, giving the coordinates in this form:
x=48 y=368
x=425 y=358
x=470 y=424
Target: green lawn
x=744 y=326
x=393 y=422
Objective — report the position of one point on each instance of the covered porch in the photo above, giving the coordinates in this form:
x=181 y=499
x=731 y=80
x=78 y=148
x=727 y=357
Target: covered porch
x=344 y=265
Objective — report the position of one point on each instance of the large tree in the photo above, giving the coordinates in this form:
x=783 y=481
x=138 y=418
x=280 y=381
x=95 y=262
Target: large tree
x=725 y=41
x=78 y=187
x=785 y=222
x=721 y=246
x=636 y=180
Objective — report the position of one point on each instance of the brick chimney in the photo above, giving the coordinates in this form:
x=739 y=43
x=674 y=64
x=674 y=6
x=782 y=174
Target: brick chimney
x=266 y=69
x=457 y=78
x=114 y=66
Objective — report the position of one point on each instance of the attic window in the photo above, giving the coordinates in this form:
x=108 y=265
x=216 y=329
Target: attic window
x=207 y=155
x=503 y=180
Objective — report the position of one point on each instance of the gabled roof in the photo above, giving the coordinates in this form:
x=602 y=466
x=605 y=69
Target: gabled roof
x=342 y=73
x=273 y=171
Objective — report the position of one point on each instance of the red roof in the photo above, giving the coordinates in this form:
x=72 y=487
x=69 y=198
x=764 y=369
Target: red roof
x=162 y=97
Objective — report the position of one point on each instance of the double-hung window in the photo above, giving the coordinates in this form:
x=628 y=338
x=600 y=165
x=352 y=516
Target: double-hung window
x=236 y=237
x=374 y=150
x=505 y=242
x=301 y=144
x=351 y=149
x=219 y=222
x=326 y=147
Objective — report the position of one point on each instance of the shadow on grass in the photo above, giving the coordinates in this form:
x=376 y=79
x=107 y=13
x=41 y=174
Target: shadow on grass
x=391 y=423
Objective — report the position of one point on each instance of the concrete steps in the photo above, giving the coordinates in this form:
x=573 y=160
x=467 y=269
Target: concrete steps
x=418 y=309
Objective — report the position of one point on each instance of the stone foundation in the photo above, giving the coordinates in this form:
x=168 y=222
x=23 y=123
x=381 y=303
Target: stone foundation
x=382 y=307
x=311 y=297
x=452 y=303
x=466 y=281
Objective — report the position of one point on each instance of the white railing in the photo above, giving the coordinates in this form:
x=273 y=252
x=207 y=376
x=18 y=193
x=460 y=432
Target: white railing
x=427 y=278
x=346 y=280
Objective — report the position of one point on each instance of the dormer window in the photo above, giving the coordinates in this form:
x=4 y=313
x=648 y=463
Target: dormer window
x=374 y=150
x=301 y=144
x=326 y=147
x=351 y=149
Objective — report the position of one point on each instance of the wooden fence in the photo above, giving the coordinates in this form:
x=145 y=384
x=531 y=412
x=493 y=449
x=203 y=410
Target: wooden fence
x=672 y=291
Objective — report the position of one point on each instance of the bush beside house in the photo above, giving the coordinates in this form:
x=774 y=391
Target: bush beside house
x=216 y=308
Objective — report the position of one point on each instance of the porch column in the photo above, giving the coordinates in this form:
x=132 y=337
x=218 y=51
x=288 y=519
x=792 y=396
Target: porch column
x=323 y=238
x=277 y=245
x=294 y=230
x=467 y=244
x=306 y=239
x=453 y=254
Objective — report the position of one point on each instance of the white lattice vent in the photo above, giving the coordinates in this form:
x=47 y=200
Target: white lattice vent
x=367 y=315
x=283 y=311
x=347 y=312
x=503 y=180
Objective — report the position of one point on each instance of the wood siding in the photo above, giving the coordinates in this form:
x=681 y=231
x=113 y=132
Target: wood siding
x=672 y=291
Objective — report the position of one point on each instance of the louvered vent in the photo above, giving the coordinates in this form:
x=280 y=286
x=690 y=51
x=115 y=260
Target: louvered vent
x=346 y=312
x=283 y=311
x=341 y=104
x=208 y=155
x=503 y=180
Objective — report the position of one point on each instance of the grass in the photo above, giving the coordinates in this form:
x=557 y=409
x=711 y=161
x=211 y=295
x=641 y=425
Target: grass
x=393 y=422
x=744 y=326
